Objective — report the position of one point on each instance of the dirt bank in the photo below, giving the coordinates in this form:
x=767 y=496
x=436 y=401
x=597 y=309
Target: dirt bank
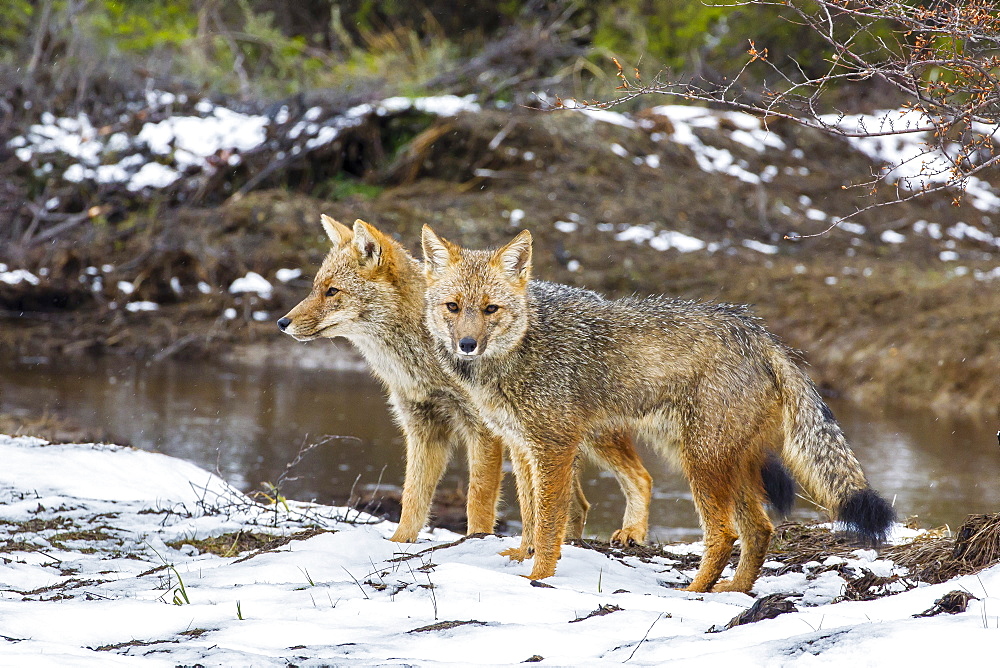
x=899 y=308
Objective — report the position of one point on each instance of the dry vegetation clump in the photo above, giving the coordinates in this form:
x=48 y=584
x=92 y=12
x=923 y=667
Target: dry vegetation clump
x=227 y=544
x=932 y=558
x=976 y=546
x=795 y=544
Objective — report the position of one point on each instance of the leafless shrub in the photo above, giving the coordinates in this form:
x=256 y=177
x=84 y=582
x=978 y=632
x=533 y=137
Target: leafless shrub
x=943 y=58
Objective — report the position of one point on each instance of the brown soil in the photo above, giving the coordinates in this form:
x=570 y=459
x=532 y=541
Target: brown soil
x=896 y=326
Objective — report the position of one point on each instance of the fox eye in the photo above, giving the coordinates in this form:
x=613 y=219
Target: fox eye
x=452 y=306
x=331 y=292
x=490 y=309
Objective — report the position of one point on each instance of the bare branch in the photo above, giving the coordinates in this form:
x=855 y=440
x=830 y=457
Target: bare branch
x=943 y=58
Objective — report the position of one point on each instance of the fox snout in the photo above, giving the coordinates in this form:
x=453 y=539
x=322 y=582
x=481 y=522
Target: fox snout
x=467 y=345
x=283 y=323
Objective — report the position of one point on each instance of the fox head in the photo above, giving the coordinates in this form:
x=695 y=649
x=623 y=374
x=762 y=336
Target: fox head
x=476 y=301
x=358 y=282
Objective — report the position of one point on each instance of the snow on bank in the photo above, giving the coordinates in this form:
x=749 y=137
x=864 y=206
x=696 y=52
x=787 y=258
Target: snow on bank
x=88 y=579
x=914 y=163
x=164 y=151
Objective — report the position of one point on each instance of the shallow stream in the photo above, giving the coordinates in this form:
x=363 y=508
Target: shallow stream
x=249 y=423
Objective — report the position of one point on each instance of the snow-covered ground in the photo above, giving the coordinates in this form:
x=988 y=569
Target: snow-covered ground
x=88 y=578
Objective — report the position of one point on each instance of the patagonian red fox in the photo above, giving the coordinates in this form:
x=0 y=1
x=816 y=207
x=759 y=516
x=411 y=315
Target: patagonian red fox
x=710 y=388
x=371 y=291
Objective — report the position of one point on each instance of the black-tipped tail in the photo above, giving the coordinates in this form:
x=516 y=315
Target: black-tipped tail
x=778 y=484
x=867 y=515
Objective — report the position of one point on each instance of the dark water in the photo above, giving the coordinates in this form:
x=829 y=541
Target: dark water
x=248 y=424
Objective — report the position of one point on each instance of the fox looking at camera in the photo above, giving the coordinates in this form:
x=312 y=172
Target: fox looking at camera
x=545 y=365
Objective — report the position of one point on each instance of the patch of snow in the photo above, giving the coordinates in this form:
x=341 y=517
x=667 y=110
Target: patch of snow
x=191 y=139
x=853 y=228
x=252 y=282
x=892 y=237
x=619 y=150
x=933 y=230
x=636 y=233
x=963 y=230
x=910 y=163
x=152 y=175
x=565 y=226
x=612 y=117
x=662 y=240
x=285 y=275
x=753 y=244
x=667 y=239
x=442 y=105
x=141 y=306
x=17 y=276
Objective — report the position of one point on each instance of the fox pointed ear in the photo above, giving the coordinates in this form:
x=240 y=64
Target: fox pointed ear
x=514 y=259
x=339 y=233
x=371 y=244
x=437 y=251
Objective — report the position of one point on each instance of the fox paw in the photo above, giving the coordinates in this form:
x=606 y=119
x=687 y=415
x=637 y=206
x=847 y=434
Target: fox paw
x=541 y=574
x=516 y=553
x=404 y=536
x=628 y=537
x=729 y=585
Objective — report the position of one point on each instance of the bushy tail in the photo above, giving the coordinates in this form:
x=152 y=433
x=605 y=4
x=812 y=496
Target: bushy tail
x=778 y=484
x=821 y=460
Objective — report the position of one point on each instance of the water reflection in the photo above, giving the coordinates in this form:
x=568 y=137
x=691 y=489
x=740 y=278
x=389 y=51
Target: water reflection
x=249 y=423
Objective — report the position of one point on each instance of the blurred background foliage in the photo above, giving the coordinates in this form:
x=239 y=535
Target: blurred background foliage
x=61 y=52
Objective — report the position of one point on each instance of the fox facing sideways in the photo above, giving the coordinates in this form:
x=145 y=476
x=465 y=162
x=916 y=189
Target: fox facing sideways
x=705 y=383
x=371 y=291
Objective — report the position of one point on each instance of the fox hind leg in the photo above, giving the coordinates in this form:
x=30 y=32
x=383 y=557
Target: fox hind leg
x=523 y=475
x=714 y=498
x=579 y=507
x=755 y=531
x=615 y=451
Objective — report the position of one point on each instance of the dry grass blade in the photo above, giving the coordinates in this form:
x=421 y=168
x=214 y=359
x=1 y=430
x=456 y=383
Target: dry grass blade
x=441 y=626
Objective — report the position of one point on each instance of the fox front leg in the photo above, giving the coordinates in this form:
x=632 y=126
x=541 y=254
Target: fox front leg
x=485 y=475
x=553 y=486
x=427 y=454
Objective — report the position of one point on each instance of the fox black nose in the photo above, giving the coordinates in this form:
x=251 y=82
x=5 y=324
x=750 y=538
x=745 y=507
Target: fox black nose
x=283 y=323
x=467 y=344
